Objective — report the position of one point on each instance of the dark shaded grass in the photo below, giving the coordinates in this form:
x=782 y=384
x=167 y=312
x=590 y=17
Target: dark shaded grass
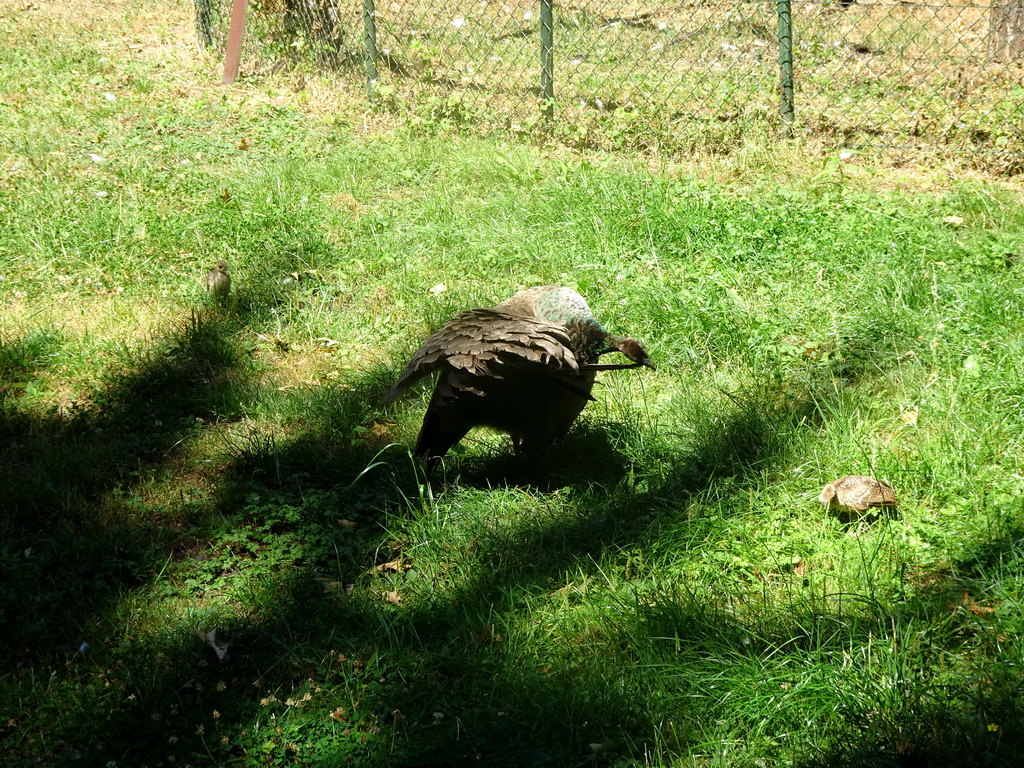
x=23 y=359
x=463 y=655
x=441 y=650
x=70 y=543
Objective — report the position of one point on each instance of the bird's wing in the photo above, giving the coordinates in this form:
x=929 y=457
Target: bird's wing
x=878 y=495
x=490 y=342
x=860 y=492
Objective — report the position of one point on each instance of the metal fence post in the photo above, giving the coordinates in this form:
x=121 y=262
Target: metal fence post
x=786 y=63
x=547 y=59
x=370 y=39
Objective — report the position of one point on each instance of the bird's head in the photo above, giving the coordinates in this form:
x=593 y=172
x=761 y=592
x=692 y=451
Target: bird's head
x=828 y=494
x=635 y=351
x=631 y=348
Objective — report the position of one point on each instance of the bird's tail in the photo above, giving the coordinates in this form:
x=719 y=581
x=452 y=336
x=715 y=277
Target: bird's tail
x=437 y=436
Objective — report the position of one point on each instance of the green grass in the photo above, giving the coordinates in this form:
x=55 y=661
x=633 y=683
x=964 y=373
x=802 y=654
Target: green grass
x=665 y=592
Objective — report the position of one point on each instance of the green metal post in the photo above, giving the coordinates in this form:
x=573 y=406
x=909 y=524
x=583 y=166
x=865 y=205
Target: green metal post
x=547 y=59
x=370 y=38
x=786 y=63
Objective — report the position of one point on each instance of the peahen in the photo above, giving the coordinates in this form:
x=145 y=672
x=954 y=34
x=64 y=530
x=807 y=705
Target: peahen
x=525 y=367
x=852 y=495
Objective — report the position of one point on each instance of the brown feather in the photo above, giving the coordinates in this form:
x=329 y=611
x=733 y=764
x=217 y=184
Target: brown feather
x=510 y=369
x=857 y=493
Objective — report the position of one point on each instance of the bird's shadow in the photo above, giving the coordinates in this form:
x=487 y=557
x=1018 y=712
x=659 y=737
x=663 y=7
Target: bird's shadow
x=591 y=453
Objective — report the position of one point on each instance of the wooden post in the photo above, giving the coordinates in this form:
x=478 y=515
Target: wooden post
x=233 y=55
x=1006 y=30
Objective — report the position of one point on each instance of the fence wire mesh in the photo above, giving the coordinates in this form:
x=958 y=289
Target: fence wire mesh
x=908 y=73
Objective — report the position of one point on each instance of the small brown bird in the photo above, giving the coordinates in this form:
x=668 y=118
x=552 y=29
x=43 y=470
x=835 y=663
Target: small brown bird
x=525 y=367
x=218 y=282
x=853 y=494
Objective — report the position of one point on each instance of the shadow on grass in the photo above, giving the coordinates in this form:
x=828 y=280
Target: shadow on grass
x=71 y=539
x=321 y=674
x=970 y=715
x=440 y=657
x=432 y=683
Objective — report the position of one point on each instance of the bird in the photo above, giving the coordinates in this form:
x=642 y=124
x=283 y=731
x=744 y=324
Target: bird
x=851 y=495
x=218 y=282
x=525 y=367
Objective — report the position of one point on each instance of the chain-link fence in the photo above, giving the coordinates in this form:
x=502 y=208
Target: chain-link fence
x=905 y=73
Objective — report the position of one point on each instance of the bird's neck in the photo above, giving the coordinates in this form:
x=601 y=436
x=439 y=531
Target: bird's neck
x=589 y=339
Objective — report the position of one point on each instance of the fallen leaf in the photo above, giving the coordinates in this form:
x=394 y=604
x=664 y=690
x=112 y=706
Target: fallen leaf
x=954 y=220
x=976 y=608
x=332 y=586
x=438 y=289
x=225 y=195
x=392 y=597
x=908 y=415
x=607 y=745
x=392 y=565
x=980 y=610
x=219 y=646
x=349 y=525
x=244 y=144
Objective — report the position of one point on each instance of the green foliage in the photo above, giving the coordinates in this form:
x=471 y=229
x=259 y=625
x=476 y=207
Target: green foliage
x=178 y=480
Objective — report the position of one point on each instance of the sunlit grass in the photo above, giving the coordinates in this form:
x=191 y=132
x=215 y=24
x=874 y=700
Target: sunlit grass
x=663 y=590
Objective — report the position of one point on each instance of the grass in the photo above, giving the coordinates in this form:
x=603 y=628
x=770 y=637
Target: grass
x=666 y=592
